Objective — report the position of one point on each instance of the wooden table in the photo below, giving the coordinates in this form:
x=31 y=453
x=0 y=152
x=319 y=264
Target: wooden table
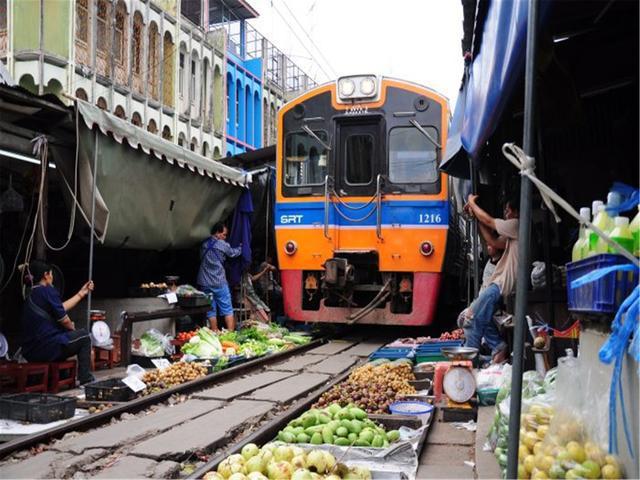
x=129 y=318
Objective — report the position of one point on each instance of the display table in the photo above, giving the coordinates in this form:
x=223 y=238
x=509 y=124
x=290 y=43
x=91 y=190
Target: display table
x=129 y=318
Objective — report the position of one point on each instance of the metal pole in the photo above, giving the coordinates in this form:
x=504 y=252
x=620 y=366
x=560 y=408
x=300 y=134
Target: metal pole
x=93 y=222
x=522 y=284
x=474 y=233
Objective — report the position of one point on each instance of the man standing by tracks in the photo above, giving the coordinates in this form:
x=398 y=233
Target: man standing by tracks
x=212 y=278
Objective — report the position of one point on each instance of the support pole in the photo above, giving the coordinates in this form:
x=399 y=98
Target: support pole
x=474 y=233
x=522 y=284
x=93 y=223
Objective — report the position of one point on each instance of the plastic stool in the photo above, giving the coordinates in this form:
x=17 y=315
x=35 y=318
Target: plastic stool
x=19 y=377
x=68 y=369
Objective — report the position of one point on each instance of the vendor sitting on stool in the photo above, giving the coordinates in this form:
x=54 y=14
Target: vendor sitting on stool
x=49 y=335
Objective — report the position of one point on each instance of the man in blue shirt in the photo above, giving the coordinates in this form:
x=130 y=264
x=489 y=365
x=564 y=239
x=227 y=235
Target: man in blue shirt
x=49 y=335
x=212 y=278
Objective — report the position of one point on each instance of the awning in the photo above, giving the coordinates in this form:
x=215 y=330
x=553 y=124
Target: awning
x=161 y=148
x=491 y=79
x=151 y=194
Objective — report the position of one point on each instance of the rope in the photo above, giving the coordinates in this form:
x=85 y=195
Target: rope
x=526 y=165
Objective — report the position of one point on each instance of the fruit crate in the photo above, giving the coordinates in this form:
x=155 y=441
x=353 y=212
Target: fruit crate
x=36 y=407
x=604 y=295
x=432 y=352
x=112 y=390
x=392 y=353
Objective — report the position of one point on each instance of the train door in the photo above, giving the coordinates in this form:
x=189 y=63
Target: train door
x=359 y=157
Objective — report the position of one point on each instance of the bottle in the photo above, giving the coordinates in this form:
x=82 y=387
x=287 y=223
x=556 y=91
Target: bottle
x=621 y=234
x=578 y=251
x=603 y=221
x=634 y=226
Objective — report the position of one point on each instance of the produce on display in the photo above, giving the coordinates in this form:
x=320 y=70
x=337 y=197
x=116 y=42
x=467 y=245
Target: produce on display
x=189 y=291
x=186 y=336
x=172 y=375
x=277 y=461
x=372 y=387
x=152 y=344
x=457 y=334
x=203 y=345
x=336 y=425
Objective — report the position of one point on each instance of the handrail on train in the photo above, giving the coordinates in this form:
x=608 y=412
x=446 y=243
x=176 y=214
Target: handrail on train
x=379 y=207
x=326 y=206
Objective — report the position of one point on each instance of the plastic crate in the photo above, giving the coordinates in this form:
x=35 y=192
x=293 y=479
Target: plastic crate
x=392 y=353
x=112 y=390
x=604 y=295
x=36 y=407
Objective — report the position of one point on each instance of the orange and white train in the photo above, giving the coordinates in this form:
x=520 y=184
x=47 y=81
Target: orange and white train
x=362 y=210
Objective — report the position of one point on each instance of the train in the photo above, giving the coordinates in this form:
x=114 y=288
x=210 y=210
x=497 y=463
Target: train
x=362 y=211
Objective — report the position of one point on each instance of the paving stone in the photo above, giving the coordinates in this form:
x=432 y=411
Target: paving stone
x=205 y=432
x=297 y=363
x=128 y=431
x=486 y=462
x=334 y=364
x=290 y=388
x=331 y=348
x=38 y=466
x=452 y=455
x=444 y=471
x=235 y=388
x=129 y=467
x=165 y=469
x=364 y=349
x=66 y=467
x=444 y=433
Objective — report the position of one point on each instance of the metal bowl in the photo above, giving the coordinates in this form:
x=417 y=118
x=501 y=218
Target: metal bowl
x=459 y=353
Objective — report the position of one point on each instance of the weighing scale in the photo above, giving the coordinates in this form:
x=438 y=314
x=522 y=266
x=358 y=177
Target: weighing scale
x=455 y=381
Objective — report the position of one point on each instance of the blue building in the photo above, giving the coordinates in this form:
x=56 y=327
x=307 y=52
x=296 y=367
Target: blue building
x=243 y=76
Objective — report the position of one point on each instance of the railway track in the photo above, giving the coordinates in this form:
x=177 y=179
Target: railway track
x=216 y=414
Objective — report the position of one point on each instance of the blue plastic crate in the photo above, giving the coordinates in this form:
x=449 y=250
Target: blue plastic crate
x=436 y=347
x=604 y=295
x=392 y=353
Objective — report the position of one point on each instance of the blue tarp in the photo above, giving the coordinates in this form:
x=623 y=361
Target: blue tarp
x=241 y=234
x=491 y=79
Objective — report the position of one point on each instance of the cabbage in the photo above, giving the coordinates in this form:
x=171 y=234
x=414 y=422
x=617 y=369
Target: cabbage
x=203 y=345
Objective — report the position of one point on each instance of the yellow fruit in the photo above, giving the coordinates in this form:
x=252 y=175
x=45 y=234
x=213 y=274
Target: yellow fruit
x=522 y=472
x=537 y=448
x=556 y=471
x=530 y=439
x=591 y=469
x=544 y=462
x=542 y=431
x=540 y=475
x=529 y=463
x=563 y=455
x=594 y=453
x=523 y=452
x=572 y=475
x=611 y=460
x=611 y=472
x=576 y=451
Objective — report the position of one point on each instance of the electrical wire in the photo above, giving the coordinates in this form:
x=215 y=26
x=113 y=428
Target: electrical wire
x=333 y=70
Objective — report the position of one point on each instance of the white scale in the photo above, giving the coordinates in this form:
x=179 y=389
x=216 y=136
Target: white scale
x=101 y=333
x=459 y=383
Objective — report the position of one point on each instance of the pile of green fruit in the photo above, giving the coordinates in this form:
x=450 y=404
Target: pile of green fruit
x=284 y=462
x=336 y=425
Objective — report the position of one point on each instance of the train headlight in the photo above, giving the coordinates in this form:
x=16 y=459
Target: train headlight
x=357 y=87
x=347 y=87
x=426 y=248
x=367 y=87
x=290 y=247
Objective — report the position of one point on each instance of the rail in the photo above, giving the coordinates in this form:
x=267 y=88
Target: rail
x=97 y=419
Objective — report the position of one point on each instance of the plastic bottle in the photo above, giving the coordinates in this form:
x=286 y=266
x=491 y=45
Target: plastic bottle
x=579 y=247
x=603 y=221
x=621 y=234
x=634 y=226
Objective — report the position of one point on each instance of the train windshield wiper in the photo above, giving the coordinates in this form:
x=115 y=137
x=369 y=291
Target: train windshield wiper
x=312 y=133
x=425 y=133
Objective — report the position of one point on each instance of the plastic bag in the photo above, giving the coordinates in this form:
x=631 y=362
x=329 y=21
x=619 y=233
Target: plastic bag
x=154 y=344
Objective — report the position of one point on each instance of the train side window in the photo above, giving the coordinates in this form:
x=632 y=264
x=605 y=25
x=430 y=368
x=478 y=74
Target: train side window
x=305 y=159
x=412 y=157
x=358 y=159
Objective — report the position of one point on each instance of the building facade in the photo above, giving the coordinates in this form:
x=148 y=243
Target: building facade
x=140 y=60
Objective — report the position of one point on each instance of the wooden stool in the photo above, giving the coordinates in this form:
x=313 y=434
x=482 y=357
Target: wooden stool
x=62 y=374
x=103 y=358
x=24 y=377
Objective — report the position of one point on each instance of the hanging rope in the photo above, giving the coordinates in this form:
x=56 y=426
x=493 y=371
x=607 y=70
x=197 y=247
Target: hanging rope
x=525 y=164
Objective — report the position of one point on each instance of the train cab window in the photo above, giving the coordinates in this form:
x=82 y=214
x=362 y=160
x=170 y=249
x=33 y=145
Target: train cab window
x=358 y=159
x=412 y=157
x=305 y=159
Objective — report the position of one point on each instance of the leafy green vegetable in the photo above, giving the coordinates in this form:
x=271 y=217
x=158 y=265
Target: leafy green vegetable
x=151 y=345
x=203 y=345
